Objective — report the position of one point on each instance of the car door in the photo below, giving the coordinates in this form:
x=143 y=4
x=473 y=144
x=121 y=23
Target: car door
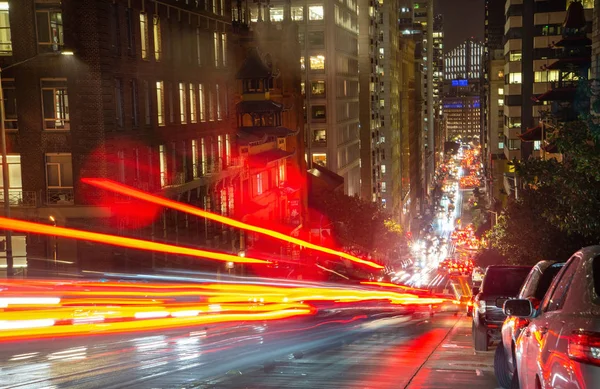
x=544 y=331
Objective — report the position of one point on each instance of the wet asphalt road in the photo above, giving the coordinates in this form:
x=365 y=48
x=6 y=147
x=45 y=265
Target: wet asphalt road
x=381 y=352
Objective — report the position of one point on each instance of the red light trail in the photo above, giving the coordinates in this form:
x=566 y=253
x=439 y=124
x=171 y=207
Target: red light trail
x=129 y=191
x=43 y=229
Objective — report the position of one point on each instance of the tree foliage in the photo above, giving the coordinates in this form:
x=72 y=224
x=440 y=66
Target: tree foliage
x=558 y=208
x=359 y=222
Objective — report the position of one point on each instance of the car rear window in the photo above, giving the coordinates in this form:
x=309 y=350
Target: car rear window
x=504 y=281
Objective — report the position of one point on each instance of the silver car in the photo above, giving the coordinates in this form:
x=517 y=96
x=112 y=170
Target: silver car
x=561 y=346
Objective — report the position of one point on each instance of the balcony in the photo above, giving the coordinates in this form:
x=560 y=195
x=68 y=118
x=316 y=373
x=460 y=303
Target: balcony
x=60 y=196
x=20 y=198
x=512 y=154
x=513 y=133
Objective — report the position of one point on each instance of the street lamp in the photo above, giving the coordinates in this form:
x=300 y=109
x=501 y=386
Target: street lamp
x=55 y=249
x=5 y=183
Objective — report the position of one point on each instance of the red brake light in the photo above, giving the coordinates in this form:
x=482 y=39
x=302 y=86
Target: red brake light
x=584 y=347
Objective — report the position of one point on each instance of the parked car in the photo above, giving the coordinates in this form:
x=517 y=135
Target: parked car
x=560 y=348
x=534 y=289
x=500 y=283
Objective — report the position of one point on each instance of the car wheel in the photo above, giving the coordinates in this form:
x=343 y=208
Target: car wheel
x=480 y=338
x=501 y=367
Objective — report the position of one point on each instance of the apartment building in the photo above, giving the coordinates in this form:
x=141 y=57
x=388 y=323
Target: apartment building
x=145 y=100
x=328 y=35
x=492 y=134
x=530 y=31
x=370 y=78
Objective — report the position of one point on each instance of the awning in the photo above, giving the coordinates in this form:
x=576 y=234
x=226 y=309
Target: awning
x=565 y=63
x=557 y=94
x=532 y=134
x=266 y=157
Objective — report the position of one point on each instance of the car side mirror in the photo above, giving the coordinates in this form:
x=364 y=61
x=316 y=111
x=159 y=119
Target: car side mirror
x=518 y=308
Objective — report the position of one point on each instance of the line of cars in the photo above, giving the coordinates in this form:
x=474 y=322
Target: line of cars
x=547 y=319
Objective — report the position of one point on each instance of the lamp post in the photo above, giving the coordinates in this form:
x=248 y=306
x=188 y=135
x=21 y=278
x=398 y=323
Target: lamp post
x=5 y=183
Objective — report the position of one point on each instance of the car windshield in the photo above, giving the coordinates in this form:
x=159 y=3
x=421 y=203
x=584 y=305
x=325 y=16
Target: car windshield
x=504 y=281
x=546 y=280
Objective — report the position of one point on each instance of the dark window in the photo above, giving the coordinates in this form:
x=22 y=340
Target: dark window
x=49 y=27
x=134 y=103
x=147 y=105
x=316 y=38
x=129 y=26
x=55 y=102
x=596 y=276
x=115 y=30
x=557 y=295
x=319 y=112
x=504 y=281
x=10 y=104
x=546 y=280
x=118 y=102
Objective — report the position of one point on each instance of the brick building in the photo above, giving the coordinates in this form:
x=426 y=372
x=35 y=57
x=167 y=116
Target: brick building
x=147 y=100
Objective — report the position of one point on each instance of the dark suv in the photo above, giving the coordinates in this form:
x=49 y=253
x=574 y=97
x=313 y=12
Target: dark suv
x=500 y=283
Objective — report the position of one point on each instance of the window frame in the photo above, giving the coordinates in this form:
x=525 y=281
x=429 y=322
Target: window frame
x=67 y=121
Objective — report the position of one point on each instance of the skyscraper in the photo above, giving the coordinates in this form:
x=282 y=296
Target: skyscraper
x=328 y=34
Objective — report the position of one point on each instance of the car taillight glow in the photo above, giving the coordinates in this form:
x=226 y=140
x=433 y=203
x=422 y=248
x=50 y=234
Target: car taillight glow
x=584 y=347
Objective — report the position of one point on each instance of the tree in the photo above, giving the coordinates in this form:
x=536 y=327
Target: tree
x=359 y=222
x=557 y=210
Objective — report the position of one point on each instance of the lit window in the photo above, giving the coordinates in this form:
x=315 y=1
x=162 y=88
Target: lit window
x=259 y=184
x=320 y=159
x=162 y=162
x=55 y=102
x=315 y=12
x=382 y=169
x=514 y=78
x=193 y=107
x=220 y=149
x=49 y=27
x=281 y=172
x=195 y=158
x=317 y=88
x=224 y=48
x=317 y=62
x=201 y=101
x=5 y=38
x=216 y=48
x=515 y=55
x=298 y=13
x=276 y=14
x=157 y=38
x=15 y=183
x=320 y=136
x=144 y=35
x=203 y=159
x=302 y=66
x=160 y=103
x=227 y=150
x=501 y=91
x=500 y=102
x=182 y=104
x=537 y=144
x=501 y=145
x=383 y=187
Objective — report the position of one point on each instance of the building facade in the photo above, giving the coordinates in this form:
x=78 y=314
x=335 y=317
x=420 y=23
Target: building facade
x=462 y=91
x=531 y=29
x=328 y=35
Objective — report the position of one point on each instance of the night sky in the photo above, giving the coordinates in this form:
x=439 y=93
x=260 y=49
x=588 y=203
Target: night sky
x=462 y=19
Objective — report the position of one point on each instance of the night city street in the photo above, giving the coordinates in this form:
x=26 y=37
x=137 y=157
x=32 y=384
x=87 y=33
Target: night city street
x=265 y=194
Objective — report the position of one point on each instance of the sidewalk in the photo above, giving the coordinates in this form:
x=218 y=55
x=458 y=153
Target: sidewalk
x=454 y=363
